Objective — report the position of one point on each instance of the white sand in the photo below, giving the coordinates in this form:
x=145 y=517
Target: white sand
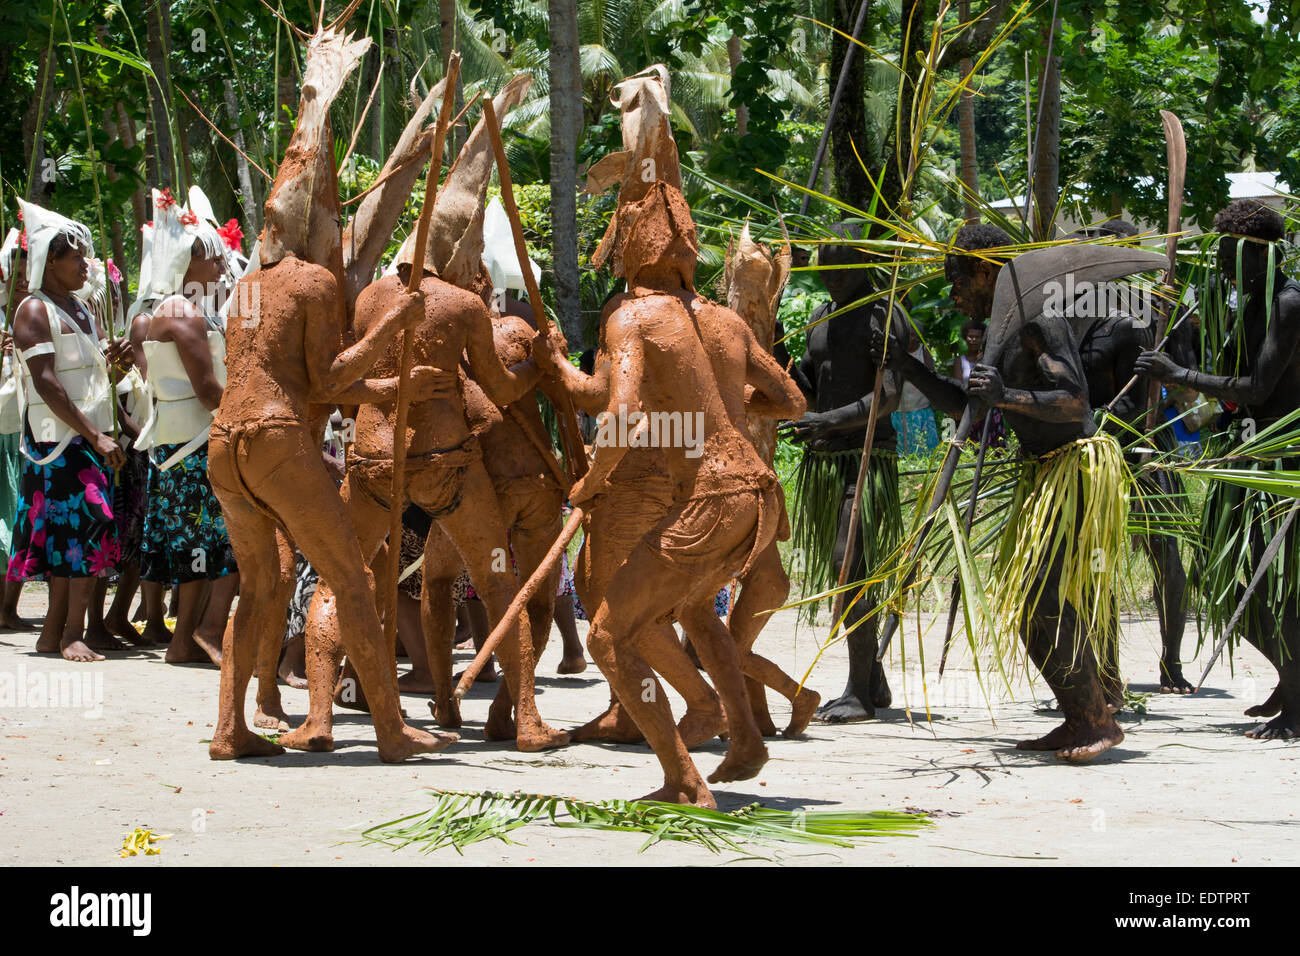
x=1185 y=787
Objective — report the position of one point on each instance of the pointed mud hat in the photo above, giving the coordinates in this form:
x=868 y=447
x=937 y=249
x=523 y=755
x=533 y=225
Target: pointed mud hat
x=302 y=211
x=753 y=280
x=455 y=249
x=42 y=227
x=649 y=156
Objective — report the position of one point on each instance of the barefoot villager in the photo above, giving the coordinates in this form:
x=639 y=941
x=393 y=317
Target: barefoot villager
x=185 y=541
x=13 y=291
x=1054 y=577
x=1257 y=369
x=837 y=374
x=1109 y=347
x=65 y=528
x=286 y=367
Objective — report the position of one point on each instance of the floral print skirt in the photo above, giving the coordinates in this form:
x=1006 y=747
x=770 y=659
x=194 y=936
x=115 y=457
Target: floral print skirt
x=184 y=532
x=65 y=527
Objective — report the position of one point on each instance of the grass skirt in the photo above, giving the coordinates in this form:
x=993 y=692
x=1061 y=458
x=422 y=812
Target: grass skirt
x=822 y=484
x=1070 y=509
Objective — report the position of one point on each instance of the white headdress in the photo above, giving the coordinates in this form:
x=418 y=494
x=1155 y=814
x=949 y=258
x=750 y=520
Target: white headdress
x=8 y=253
x=42 y=226
x=175 y=230
x=142 y=293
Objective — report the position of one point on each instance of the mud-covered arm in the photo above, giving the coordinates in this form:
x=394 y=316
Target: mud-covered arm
x=590 y=393
x=426 y=381
x=503 y=385
x=625 y=374
x=325 y=324
x=775 y=393
x=1273 y=358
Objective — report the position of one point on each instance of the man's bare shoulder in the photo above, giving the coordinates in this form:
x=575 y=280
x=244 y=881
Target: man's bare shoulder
x=451 y=300
x=302 y=278
x=514 y=337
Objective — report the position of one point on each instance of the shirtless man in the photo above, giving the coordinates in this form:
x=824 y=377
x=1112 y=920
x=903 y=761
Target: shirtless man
x=447 y=479
x=1038 y=383
x=725 y=500
x=286 y=368
x=1265 y=388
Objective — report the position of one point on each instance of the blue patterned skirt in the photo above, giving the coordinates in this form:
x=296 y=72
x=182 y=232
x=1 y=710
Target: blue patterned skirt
x=184 y=532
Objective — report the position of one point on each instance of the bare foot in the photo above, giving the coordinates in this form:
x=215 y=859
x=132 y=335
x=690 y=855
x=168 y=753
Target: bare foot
x=1270 y=708
x=844 y=710
x=698 y=797
x=466 y=645
x=801 y=712
x=416 y=682
x=349 y=694
x=48 y=642
x=500 y=724
x=740 y=763
x=538 y=736
x=122 y=628
x=613 y=725
x=572 y=665
x=412 y=741
x=766 y=726
x=699 y=725
x=75 y=649
x=1283 y=727
x=10 y=621
x=156 y=632
x=194 y=651
x=272 y=717
x=1172 y=680
x=246 y=745
x=286 y=674
x=308 y=737
x=447 y=713
x=1077 y=743
x=99 y=639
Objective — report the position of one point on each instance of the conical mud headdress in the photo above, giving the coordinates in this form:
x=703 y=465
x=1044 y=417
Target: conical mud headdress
x=753 y=281
x=302 y=212
x=648 y=173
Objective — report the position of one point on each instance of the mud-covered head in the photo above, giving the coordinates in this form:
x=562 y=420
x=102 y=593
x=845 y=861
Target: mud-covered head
x=754 y=278
x=302 y=212
x=1250 y=230
x=56 y=246
x=455 y=249
x=657 y=240
x=648 y=158
x=974 y=277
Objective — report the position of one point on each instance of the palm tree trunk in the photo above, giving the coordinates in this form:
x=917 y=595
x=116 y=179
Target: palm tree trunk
x=970 y=170
x=734 y=56
x=1047 y=157
x=164 y=150
x=249 y=198
x=126 y=133
x=34 y=126
x=566 y=127
x=849 y=124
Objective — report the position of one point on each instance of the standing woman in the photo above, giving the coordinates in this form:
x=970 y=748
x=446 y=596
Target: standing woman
x=65 y=529
x=13 y=290
x=185 y=539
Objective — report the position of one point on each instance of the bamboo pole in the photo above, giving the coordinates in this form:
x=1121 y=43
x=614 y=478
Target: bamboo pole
x=397 y=497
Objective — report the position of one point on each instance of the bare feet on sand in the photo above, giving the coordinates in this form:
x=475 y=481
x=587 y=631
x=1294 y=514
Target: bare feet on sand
x=1077 y=743
x=801 y=712
x=690 y=796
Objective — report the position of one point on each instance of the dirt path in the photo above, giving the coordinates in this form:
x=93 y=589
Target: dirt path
x=1185 y=787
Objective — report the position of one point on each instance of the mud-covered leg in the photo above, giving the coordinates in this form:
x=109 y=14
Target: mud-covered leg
x=270 y=708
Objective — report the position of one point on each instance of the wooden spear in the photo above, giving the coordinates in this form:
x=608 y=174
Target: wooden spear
x=575 y=454
x=397 y=496
x=575 y=457
x=1176 y=151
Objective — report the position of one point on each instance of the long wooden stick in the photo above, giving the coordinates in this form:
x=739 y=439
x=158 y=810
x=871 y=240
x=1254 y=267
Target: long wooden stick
x=1265 y=560
x=524 y=595
x=575 y=454
x=397 y=496
x=1176 y=152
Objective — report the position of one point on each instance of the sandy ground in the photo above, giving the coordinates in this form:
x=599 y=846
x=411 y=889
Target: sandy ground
x=1185 y=787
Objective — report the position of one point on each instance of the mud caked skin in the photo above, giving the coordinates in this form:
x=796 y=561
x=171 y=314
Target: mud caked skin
x=286 y=366
x=445 y=477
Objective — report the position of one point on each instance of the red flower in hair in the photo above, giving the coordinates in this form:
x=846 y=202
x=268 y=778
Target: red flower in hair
x=165 y=199
x=231 y=234
x=113 y=273
x=22 y=237
x=188 y=218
